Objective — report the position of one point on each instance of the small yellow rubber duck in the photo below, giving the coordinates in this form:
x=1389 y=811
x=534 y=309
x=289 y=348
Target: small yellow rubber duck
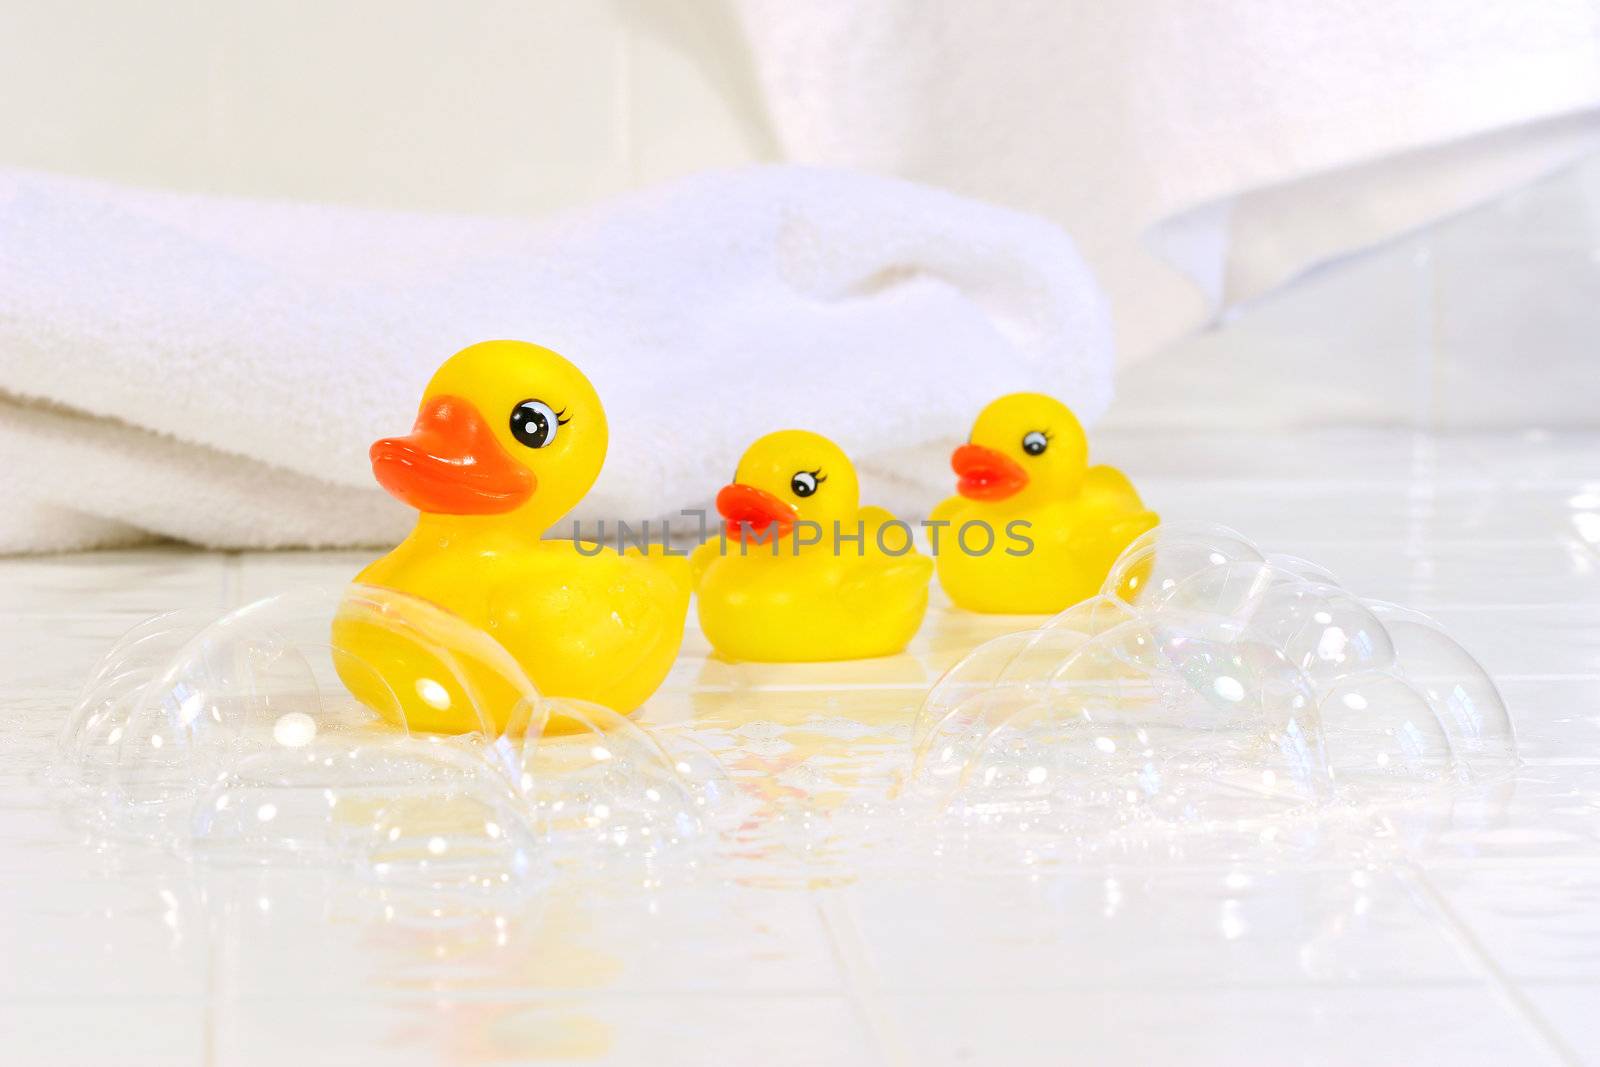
x=805 y=573
x=509 y=437
x=1056 y=524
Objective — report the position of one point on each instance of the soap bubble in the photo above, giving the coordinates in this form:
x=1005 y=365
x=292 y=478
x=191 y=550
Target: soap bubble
x=1462 y=694
x=1208 y=685
x=1302 y=569
x=613 y=783
x=1229 y=590
x=1093 y=616
x=1142 y=722
x=404 y=812
x=1379 y=730
x=1323 y=630
x=1158 y=560
x=277 y=732
x=969 y=702
x=1002 y=674
x=91 y=742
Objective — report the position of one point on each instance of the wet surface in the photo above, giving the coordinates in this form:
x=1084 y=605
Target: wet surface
x=1455 y=928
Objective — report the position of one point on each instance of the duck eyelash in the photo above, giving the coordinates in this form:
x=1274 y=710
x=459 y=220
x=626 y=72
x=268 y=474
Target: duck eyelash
x=818 y=475
x=560 y=419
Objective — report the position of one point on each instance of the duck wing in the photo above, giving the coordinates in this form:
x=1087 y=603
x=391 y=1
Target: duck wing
x=1110 y=508
x=878 y=576
x=1108 y=489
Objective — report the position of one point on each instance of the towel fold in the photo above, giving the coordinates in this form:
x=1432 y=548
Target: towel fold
x=1201 y=154
x=214 y=369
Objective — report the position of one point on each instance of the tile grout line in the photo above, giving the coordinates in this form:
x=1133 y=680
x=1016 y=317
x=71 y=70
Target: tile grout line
x=844 y=938
x=1507 y=987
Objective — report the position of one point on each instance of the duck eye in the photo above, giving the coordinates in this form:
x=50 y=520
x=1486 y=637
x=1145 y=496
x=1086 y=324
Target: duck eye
x=1035 y=442
x=534 y=423
x=803 y=483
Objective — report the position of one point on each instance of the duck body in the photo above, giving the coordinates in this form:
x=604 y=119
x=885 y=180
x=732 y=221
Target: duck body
x=762 y=594
x=583 y=623
x=1057 y=524
x=809 y=605
x=602 y=628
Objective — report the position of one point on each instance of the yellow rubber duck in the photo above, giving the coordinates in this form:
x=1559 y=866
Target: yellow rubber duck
x=509 y=437
x=783 y=586
x=1057 y=524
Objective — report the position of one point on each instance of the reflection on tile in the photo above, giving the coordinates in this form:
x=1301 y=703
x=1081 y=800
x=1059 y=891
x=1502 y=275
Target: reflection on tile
x=1404 y=514
x=1568 y=1007
x=905 y=671
x=1538 y=456
x=580 y=935
x=789 y=1031
x=1557 y=719
x=1542 y=640
x=768 y=948
x=150 y=1030
x=1456 y=1024
x=1541 y=922
x=847 y=713
x=133 y=937
x=1335 y=455
x=1130 y=928
x=946 y=635
x=1548 y=810
x=1440 y=574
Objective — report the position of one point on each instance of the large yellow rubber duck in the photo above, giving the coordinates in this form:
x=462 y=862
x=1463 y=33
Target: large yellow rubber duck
x=785 y=585
x=509 y=437
x=1056 y=523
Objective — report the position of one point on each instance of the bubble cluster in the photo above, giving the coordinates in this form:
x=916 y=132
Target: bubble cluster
x=240 y=738
x=1208 y=684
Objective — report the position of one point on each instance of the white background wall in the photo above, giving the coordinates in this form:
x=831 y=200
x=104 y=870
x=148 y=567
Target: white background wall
x=480 y=105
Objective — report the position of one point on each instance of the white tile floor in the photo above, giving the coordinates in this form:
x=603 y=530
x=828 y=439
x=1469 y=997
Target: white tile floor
x=1479 y=942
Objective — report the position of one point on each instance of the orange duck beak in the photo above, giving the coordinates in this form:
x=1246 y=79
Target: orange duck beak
x=984 y=474
x=451 y=464
x=744 y=506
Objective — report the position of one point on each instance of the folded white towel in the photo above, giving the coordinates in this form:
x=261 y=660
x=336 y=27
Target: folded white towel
x=214 y=369
x=1240 y=142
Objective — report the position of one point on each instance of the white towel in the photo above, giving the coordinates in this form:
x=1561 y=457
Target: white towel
x=214 y=369
x=1237 y=141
